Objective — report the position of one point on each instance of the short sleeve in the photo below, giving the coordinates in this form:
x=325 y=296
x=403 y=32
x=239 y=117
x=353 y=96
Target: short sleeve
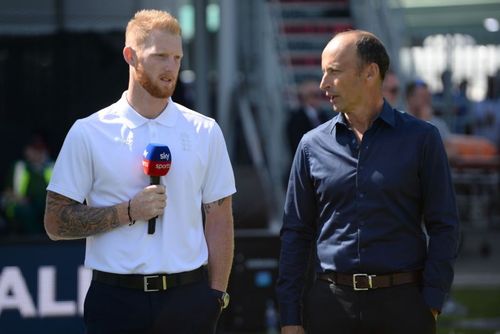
x=72 y=175
x=219 y=177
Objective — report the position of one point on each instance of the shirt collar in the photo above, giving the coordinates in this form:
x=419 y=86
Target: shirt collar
x=386 y=115
x=167 y=117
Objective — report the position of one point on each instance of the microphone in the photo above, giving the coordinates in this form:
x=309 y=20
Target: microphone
x=156 y=162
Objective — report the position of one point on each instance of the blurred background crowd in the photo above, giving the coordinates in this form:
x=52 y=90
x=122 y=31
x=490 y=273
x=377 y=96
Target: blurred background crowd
x=255 y=67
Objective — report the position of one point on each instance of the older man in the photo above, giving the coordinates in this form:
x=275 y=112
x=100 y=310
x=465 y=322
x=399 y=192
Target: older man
x=360 y=187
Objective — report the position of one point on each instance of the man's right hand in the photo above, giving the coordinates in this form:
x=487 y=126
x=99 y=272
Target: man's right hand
x=292 y=330
x=148 y=203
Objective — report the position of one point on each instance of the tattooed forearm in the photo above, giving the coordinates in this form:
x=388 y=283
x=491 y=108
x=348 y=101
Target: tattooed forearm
x=208 y=206
x=76 y=220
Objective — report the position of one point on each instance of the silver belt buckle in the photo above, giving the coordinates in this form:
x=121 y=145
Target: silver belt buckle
x=146 y=283
x=355 y=281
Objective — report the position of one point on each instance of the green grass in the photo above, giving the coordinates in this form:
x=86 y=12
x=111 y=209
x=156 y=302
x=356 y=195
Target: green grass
x=480 y=303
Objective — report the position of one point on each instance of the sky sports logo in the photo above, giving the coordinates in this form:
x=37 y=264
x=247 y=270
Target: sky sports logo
x=163 y=155
x=159 y=165
x=157 y=160
x=157 y=153
x=156 y=164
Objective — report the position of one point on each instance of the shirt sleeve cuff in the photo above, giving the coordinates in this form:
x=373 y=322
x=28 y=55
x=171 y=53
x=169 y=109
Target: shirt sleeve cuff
x=290 y=315
x=434 y=298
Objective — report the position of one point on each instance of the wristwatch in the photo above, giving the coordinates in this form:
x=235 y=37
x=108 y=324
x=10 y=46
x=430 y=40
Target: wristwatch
x=224 y=299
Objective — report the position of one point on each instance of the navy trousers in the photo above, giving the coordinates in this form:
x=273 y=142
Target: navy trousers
x=187 y=309
x=331 y=308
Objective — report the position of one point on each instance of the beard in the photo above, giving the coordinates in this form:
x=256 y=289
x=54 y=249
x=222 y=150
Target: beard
x=153 y=89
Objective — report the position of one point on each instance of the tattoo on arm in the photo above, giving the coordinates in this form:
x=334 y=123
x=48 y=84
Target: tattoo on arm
x=209 y=206
x=79 y=220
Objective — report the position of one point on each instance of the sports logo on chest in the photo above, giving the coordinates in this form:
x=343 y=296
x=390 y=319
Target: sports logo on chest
x=185 y=141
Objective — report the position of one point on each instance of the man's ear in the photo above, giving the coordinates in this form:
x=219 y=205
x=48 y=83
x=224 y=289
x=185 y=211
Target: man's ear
x=372 y=72
x=129 y=56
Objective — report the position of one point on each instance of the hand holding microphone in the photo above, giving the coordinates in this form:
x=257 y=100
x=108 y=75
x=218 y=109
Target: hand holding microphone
x=148 y=203
x=156 y=163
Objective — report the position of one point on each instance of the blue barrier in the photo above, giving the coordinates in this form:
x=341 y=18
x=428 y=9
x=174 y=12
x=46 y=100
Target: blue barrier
x=42 y=287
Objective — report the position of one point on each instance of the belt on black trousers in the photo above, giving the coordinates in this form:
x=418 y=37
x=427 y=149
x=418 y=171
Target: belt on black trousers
x=367 y=281
x=149 y=283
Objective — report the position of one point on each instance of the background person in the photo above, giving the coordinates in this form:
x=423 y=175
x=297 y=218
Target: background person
x=147 y=283
x=359 y=189
x=391 y=89
x=308 y=115
x=23 y=198
x=419 y=104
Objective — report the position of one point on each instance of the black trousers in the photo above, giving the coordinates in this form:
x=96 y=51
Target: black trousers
x=331 y=308
x=187 y=309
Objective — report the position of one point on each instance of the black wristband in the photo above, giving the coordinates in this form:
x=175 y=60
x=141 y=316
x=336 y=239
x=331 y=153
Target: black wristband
x=132 y=222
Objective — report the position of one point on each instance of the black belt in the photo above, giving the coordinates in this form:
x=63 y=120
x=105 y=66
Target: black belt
x=366 y=281
x=149 y=283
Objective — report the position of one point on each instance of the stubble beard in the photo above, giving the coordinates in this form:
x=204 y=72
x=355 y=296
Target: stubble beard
x=153 y=89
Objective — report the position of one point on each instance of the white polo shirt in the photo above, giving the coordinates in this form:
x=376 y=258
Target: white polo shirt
x=101 y=162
